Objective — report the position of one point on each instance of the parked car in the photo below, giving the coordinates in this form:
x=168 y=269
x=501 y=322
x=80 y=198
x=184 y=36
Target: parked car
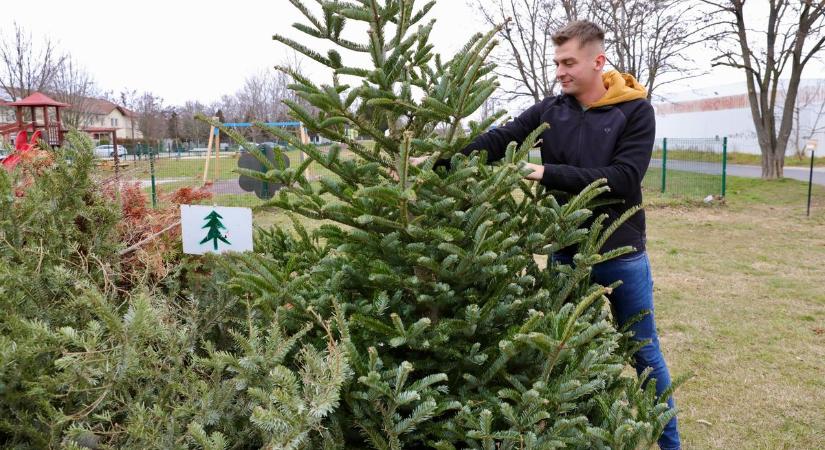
x=105 y=151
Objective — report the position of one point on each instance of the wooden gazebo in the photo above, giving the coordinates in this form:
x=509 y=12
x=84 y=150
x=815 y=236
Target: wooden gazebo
x=52 y=129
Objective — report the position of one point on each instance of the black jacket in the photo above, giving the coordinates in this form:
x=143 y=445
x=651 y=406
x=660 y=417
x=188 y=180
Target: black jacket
x=612 y=142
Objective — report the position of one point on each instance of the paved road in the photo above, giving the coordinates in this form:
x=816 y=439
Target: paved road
x=737 y=170
x=740 y=170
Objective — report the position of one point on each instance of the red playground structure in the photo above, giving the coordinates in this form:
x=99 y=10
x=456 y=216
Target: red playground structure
x=21 y=146
x=48 y=131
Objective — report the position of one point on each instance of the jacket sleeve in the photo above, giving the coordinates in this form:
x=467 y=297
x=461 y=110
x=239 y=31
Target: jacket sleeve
x=627 y=166
x=496 y=140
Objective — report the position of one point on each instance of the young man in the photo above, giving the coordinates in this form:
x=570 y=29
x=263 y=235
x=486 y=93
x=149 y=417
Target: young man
x=601 y=126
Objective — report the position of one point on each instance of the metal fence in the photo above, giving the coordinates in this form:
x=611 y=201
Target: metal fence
x=688 y=167
x=161 y=171
x=683 y=167
x=680 y=167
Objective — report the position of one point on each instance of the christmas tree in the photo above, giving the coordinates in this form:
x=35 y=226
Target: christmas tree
x=457 y=337
x=90 y=357
x=213 y=223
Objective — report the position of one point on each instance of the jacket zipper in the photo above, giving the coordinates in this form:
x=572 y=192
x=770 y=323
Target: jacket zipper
x=581 y=129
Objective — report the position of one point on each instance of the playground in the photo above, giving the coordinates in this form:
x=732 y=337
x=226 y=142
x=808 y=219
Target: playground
x=39 y=127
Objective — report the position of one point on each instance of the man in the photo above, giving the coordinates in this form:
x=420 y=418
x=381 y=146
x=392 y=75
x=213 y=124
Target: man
x=601 y=126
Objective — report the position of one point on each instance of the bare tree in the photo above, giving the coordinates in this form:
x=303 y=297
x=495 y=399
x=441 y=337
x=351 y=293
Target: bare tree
x=190 y=129
x=651 y=39
x=793 y=36
x=489 y=107
x=230 y=106
x=129 y=100
x=151 y=119
x=72 y=84
x=811 y=103
x=24 y=66
x=524 y=61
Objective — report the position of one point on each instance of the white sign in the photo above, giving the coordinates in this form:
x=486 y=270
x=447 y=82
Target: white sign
x=215 y=229
x=811 y=145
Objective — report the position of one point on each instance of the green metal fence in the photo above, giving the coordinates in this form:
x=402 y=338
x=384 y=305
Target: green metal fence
x=688 y=167
x=679 y=167
x=684 y=167
x=161 y=171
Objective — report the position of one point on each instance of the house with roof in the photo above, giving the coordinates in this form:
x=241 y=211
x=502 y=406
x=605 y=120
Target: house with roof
x=38 y=116
x=103 y=114
x=98 y=117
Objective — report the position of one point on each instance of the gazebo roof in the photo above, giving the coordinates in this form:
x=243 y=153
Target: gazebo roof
x=38 y=99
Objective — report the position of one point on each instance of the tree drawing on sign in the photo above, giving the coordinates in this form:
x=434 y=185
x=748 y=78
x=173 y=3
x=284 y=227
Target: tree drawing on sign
x=213 y=223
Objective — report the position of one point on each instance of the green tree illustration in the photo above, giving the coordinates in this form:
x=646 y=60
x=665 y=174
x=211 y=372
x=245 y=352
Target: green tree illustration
x=213 y=222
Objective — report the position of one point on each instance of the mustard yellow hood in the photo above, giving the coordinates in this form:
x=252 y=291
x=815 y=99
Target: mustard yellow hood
x=621 y=87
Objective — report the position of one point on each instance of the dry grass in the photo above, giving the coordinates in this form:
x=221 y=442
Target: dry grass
x=739 y=302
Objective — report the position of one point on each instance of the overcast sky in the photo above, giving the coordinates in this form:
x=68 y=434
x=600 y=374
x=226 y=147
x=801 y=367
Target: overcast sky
x=198 y=50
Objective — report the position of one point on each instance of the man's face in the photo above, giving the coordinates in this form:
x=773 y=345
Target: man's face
x=578 y=68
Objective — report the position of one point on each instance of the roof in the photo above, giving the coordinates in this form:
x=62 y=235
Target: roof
x=103 y=107
x=93 y=105
x=37 y=99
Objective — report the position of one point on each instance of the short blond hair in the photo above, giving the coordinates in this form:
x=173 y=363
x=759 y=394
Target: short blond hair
x=584 y=30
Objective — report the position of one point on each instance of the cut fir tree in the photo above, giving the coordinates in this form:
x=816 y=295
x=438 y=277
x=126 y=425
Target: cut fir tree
x=456 y=336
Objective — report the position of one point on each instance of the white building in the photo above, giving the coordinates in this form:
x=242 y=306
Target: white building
x=724 y=111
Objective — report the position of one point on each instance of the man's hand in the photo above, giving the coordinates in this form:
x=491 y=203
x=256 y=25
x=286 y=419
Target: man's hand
x=418 y=160
x=537 y=173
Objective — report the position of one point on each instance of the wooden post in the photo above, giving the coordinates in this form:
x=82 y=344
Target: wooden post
x=208 y=152
x=303 y=134
x=46 y=126
x=59 y=127
x=116 y=160
x=304 y=137
x=217 y=154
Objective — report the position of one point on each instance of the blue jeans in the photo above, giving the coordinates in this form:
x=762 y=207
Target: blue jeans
x=633 y=296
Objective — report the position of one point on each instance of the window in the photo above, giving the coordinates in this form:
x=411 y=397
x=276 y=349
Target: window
x=113 y=122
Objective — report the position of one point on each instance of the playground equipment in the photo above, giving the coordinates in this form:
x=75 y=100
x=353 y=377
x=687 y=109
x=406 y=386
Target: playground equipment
x=215 y=142
x=262 y=189
x=51 y=127
x=46 y=128
x=48 y=131
x=21 y=147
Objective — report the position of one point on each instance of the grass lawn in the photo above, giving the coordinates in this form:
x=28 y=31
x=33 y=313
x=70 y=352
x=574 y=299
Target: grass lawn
x=679 y=184
x=740 y=304
x=188 y=168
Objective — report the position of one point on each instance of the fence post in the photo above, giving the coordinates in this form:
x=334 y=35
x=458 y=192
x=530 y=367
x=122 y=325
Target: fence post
x=664 y=164
x=810 y=182
x=724 y=164
x=152 y=172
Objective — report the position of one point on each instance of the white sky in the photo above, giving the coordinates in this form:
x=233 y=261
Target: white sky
x=198 y=50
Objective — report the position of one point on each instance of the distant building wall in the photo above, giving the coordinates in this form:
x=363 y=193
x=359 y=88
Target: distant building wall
x=729 y=115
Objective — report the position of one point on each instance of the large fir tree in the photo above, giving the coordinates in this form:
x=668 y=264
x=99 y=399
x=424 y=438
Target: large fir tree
x=457 y=337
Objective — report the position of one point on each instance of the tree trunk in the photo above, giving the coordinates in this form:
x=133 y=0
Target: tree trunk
x=773 y=162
